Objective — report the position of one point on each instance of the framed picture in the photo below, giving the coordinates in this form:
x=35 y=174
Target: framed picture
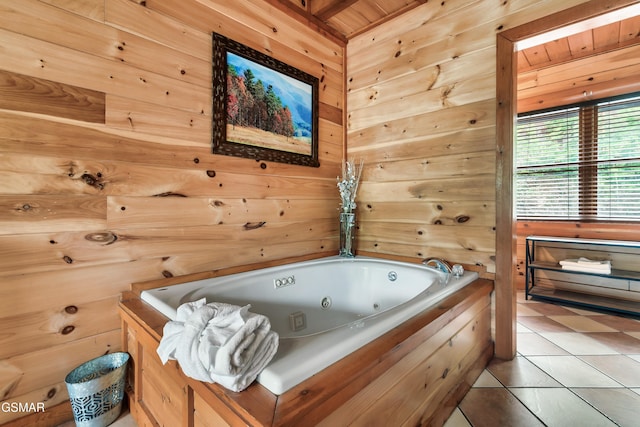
x=263 y=109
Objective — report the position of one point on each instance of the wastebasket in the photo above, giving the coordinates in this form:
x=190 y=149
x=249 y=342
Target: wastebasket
x=96 y=389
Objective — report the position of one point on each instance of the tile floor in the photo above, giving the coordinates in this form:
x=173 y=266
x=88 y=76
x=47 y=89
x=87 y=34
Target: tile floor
x=124 y=420
x=573 y=368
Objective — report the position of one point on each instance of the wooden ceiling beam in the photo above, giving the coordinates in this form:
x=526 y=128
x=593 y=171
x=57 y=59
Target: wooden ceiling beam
x=389 y=17
x=310 y=20
x=331 y=9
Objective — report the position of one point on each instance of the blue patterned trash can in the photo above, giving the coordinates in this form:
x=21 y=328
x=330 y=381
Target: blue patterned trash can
x=96 y=389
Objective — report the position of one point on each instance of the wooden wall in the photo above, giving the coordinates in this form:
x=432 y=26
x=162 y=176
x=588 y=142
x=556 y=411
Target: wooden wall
x=421 y=104
x=107 y=176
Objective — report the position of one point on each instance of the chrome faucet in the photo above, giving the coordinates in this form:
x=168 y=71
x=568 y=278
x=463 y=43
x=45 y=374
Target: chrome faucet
x=438 y=264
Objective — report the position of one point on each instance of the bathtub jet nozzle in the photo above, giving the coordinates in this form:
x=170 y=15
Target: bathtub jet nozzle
x=297 y=321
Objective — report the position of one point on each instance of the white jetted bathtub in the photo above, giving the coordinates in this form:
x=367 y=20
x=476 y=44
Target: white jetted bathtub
x=322 y=309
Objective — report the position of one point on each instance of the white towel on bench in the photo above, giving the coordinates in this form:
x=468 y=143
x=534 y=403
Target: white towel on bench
x=586 y=265
x=219 y=343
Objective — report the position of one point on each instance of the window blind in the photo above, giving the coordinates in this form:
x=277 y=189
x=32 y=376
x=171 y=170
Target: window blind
x=580 y=162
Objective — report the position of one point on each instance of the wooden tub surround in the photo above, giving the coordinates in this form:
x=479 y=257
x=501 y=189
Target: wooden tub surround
x=413 y=375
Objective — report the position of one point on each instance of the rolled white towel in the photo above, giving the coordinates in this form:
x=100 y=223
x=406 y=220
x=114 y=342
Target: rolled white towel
x=219 y=343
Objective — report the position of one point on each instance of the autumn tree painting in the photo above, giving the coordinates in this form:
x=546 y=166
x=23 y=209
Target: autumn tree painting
x=250 y=104
x=258 y=115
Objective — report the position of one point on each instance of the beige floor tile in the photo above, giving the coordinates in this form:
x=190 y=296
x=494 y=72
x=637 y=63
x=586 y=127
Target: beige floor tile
x=521 y=298
x=572 y=372
x=576 y=343
x=607 y=357
x=543 y=324
x=620 y=405
x=584 y=312
x=534 y=344
x=125 y=421
x=619 y=323
x=521 y=329
x=491 y=407
x=524 y=310
x=635 y=335
x=519 y=372
x=560 y=407
x=487 y=380
x=582 y=324
x=550 y=309
x=620 y=341
x=621 y=368
x=457 y=419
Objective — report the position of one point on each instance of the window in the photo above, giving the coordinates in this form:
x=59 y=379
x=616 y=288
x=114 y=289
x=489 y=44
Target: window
x=580 y=162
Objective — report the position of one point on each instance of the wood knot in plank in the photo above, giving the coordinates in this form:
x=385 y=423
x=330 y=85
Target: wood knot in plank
x=26 y=207
x=254 y=225
x=67 y=329
x=461 y=219
x=93 y=181
x=169 y=194
x=106 y=237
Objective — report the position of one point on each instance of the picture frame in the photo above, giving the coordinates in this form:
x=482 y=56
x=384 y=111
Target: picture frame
x=262 y=108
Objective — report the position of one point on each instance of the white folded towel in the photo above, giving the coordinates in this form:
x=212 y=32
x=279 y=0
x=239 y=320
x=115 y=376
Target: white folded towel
x=219 y=343
x=586 y=265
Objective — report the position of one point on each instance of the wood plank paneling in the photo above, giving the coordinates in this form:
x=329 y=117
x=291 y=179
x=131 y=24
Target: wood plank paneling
x=50 y=61
x=42 y=213
x=93 y=9
x=26 y=134
x=24 y=93
x=31 y=253
x=57 y=290
x=30 y=331
x=107 y=176
x=144 y=212
x=49 y=366
x=129 y=114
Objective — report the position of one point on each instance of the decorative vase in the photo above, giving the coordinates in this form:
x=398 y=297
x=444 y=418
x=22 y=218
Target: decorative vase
x=347 y=224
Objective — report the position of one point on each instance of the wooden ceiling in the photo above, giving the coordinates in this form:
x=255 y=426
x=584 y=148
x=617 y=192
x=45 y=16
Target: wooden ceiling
x=348 y=18
x=345 y=19
x=595 y=41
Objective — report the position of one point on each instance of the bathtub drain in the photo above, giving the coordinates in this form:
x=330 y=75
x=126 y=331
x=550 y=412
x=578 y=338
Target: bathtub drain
x=325 y=303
